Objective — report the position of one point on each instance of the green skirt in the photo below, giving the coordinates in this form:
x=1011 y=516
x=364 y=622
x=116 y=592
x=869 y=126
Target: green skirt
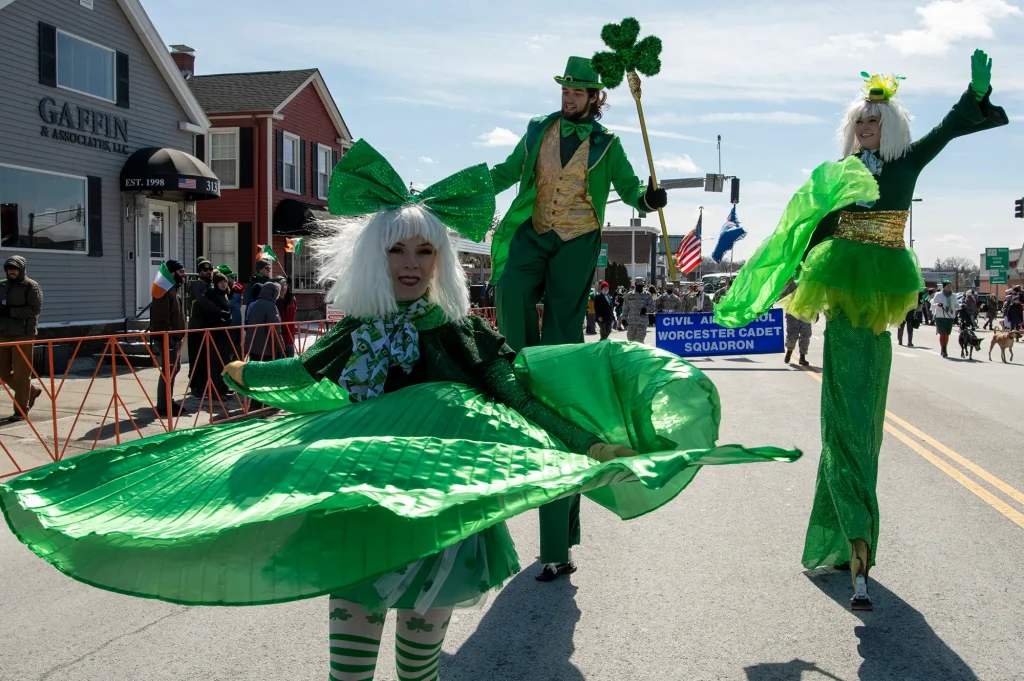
x=269 y=511
x=943 y=325
x=873 y=286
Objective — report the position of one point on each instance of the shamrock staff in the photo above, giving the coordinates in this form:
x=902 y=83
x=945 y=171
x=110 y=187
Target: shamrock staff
x=626 y=59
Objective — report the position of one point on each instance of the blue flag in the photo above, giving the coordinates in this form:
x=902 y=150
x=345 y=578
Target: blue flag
x=730 y=234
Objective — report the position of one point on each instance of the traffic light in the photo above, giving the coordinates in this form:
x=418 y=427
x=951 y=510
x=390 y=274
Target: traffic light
x=1019 y=208
x=735 y=191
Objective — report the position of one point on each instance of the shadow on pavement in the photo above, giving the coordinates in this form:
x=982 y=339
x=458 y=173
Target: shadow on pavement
x=757 y=368
x=786 y=671
x=526 y=635
x=896 y=642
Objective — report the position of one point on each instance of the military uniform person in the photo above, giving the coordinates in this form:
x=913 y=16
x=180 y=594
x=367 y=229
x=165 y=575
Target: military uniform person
x=702 y=302
x=670 y=302
x=637 y=306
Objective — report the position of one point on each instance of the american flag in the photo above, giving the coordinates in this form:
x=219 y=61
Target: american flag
x=688 y=255
x=186 y=184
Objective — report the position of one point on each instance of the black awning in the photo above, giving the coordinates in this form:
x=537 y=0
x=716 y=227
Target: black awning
x=169 y=172
x=296 y=218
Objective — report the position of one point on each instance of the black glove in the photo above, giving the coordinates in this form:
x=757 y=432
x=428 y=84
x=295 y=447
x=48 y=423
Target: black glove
x=5 y=311
x=655 y=198
x=643 y=310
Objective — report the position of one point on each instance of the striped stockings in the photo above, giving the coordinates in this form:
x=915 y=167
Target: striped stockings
x=355 y=642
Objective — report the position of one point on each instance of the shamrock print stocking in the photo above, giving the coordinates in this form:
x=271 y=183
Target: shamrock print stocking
x=418 y=641
x=355 y=640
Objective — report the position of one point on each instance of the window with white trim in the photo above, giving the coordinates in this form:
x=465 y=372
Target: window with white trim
x=324 y=167
x=221 y=243
x=291 y=152
x=84 y=66
x=42 y=210
x=224 y=156
x=304 y=272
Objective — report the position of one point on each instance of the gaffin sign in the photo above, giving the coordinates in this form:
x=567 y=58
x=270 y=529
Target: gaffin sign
x=695 y=334
x=82 y=126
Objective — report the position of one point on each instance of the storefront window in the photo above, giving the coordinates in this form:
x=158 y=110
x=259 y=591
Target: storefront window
x=85 y=67
x=224 y=157
x=42 y=210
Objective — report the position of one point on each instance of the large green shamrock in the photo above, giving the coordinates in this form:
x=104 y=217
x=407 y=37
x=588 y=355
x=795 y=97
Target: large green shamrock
x=419 y=624
x=341 y=614
x=375 y=618
x=628 y=54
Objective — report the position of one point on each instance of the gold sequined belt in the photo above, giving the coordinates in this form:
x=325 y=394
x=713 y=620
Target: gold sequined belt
x=879 y=227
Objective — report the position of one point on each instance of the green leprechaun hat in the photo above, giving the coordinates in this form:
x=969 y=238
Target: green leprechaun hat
x=580 y=73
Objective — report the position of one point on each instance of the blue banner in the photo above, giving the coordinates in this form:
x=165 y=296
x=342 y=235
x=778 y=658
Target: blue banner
x=695 y=334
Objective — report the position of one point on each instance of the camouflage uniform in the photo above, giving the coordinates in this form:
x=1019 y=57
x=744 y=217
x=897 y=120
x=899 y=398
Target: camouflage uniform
x=670 y=302
x=636 y=309
x=797 y=330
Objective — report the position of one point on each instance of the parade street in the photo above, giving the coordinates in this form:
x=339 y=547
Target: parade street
x=709 y=587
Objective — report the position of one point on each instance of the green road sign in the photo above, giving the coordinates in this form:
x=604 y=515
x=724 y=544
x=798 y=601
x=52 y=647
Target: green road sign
x=997 y=276
x=997 y=258
x=602 y=260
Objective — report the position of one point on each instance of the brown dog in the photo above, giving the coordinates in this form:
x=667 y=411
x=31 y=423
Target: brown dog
x=1004 y=339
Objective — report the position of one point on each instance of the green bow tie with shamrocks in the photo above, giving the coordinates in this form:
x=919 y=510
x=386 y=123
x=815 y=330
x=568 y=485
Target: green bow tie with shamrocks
x=581 y=130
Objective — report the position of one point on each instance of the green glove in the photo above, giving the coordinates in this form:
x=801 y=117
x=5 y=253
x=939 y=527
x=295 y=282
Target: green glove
x=981 y=74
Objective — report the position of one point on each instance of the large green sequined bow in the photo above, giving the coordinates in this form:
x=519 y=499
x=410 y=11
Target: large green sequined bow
x=581 y=130
x=364 y=182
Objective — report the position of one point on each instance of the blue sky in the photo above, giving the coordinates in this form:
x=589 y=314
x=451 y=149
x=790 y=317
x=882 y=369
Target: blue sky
x=437 y=86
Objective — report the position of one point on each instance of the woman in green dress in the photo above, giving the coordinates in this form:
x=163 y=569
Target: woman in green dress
x=846 y=237
x=416 y=431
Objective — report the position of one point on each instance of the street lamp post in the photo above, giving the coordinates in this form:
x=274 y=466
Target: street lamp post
x=912 y=202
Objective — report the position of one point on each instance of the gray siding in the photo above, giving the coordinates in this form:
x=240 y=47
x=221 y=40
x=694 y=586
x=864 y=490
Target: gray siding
x=78 y=288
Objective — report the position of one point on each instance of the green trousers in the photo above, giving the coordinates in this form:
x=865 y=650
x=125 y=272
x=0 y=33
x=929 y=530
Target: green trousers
x=542 y=266
x=855 y=383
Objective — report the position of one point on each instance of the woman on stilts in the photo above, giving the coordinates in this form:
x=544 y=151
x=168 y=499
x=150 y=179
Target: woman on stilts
x=846 y=237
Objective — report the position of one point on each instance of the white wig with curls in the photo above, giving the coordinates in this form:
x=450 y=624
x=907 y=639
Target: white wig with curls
x=354 y=253
x=895 y=128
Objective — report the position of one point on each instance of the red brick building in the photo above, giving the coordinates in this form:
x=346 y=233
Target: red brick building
x=275 y=138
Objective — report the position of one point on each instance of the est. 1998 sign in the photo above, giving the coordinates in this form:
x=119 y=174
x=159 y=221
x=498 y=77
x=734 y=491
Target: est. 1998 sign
x=695 y=334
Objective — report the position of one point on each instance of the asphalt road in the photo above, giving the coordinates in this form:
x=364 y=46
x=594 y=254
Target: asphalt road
x=709 y=587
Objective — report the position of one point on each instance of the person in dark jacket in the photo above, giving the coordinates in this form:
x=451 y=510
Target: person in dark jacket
x=195 y=292
x=168 y=314
x=262 y=276
x=21 y=301
x=603 y=310
x=264 y=343
x=211 y=311
x=286 y=307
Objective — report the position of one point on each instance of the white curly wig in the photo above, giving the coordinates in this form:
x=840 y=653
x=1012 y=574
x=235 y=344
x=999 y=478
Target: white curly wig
x=895 y=128
x=354 y=253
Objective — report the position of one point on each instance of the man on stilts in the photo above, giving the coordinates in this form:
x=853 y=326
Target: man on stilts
x=547 y=246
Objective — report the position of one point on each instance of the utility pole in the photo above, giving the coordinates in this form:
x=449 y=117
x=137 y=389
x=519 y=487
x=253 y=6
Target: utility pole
x=912 y=202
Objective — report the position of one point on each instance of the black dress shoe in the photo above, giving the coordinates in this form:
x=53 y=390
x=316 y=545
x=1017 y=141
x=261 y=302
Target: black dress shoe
x=552 y=571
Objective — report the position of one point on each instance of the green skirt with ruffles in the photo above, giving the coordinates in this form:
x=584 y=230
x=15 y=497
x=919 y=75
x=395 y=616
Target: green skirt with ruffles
x=874 y=286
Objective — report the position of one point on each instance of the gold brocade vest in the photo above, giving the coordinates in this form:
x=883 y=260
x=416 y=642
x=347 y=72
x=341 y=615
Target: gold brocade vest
x=562 y=202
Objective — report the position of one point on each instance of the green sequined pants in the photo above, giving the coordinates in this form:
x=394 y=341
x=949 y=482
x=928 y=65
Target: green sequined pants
x=855 y=380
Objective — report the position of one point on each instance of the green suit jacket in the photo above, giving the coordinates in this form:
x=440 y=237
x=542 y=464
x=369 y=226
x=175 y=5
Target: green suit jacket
x=607 y=167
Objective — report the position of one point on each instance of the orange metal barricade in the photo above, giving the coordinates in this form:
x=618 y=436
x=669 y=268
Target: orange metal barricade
x=106 y=391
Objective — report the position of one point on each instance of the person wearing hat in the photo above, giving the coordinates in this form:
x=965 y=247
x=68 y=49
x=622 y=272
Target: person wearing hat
x=262 y=276
x=21 y=302
x=166 y=313
x=946 y=307
x=548 y=243
x=604 y=307
x=844 y=230
x=638 y=305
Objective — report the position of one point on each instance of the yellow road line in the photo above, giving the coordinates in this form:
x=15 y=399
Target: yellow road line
x=1006 y=489
x=992 y=500
x=979 y=491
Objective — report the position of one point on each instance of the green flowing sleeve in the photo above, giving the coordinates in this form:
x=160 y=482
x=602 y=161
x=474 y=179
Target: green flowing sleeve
x=760 y=281
x=967 y=116
x=508 y=172
x=628 y=186
x=306 y=383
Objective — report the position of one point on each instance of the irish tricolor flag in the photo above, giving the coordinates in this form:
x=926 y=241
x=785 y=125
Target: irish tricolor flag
x=163 y=282
x=265 y=252
x=292 y=245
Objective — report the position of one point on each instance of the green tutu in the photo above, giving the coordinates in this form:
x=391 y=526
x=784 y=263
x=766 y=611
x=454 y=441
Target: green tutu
x=874 y=286
x=276 y=510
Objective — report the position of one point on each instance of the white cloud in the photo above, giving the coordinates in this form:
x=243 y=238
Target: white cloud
x=805 y=171
x=681 y=163
x=776 y=117
x=657 y=133
x=949 y=21
x=537 y=43
x=427 y=160
x=499 y=137
x=954 y=239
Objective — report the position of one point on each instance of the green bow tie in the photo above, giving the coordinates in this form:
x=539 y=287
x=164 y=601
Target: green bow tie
x=581 y=130
x=364 y=182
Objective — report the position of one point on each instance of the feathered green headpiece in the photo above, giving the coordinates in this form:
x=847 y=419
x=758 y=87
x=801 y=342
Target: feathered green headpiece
x=627 y=54
x=879 y=88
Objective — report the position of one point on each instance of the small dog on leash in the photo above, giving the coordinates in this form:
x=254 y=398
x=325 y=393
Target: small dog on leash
x=1005 y=340
x=969 y=341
